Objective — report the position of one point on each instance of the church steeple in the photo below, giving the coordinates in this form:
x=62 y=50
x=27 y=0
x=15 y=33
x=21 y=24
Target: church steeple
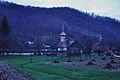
x=63 y=28
x=63 y=33
x=62 y=44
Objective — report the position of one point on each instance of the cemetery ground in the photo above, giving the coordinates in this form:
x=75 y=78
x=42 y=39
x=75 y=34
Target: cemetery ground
x=61 y=68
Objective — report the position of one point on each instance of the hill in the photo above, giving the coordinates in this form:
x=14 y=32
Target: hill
x=43 y=25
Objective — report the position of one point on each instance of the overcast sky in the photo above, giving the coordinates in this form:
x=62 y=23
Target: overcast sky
x=102 y=7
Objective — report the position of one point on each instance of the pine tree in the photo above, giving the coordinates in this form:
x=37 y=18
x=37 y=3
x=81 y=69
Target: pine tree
x=4 y=31
x=5 y=26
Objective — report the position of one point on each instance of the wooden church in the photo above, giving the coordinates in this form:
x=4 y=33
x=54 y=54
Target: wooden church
x=71 y=49
x=62 y=46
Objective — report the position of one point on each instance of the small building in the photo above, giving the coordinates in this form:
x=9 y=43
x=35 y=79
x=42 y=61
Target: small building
x=74 y=49
x=45 y=49
x=49 y=50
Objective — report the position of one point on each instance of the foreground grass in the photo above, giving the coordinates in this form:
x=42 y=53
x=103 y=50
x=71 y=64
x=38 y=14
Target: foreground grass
x=41 y=71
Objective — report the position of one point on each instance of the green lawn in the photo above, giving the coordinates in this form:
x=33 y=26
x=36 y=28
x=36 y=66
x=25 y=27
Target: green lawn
x=42 y=71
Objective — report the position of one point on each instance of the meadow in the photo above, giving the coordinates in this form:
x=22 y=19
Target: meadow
x=41 y=71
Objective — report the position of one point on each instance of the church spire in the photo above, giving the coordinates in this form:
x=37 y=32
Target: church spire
x=63 y=28
x=63 y=33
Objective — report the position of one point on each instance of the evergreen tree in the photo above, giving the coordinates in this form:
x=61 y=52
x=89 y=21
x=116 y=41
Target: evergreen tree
x=4 y=31
x=5 y=26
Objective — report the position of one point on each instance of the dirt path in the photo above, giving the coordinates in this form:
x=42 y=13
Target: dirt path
x=10 y=73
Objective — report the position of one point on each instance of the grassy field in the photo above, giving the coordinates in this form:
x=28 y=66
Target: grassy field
x=41 y=71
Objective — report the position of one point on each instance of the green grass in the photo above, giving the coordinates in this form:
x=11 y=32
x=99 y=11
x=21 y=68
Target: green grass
x=41 y=71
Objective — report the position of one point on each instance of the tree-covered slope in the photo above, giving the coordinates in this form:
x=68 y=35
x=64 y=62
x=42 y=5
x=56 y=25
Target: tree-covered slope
x=45 y=24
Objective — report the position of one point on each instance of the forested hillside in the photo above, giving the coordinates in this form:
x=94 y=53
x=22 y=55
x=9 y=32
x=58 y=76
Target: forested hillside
x=43 y=25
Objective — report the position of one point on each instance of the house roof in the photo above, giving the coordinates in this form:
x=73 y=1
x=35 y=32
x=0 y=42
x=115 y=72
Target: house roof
x=75 y=44
x=63 y=34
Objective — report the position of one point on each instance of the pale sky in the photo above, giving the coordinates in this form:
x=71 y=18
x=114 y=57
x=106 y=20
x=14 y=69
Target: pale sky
x=101 y=7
